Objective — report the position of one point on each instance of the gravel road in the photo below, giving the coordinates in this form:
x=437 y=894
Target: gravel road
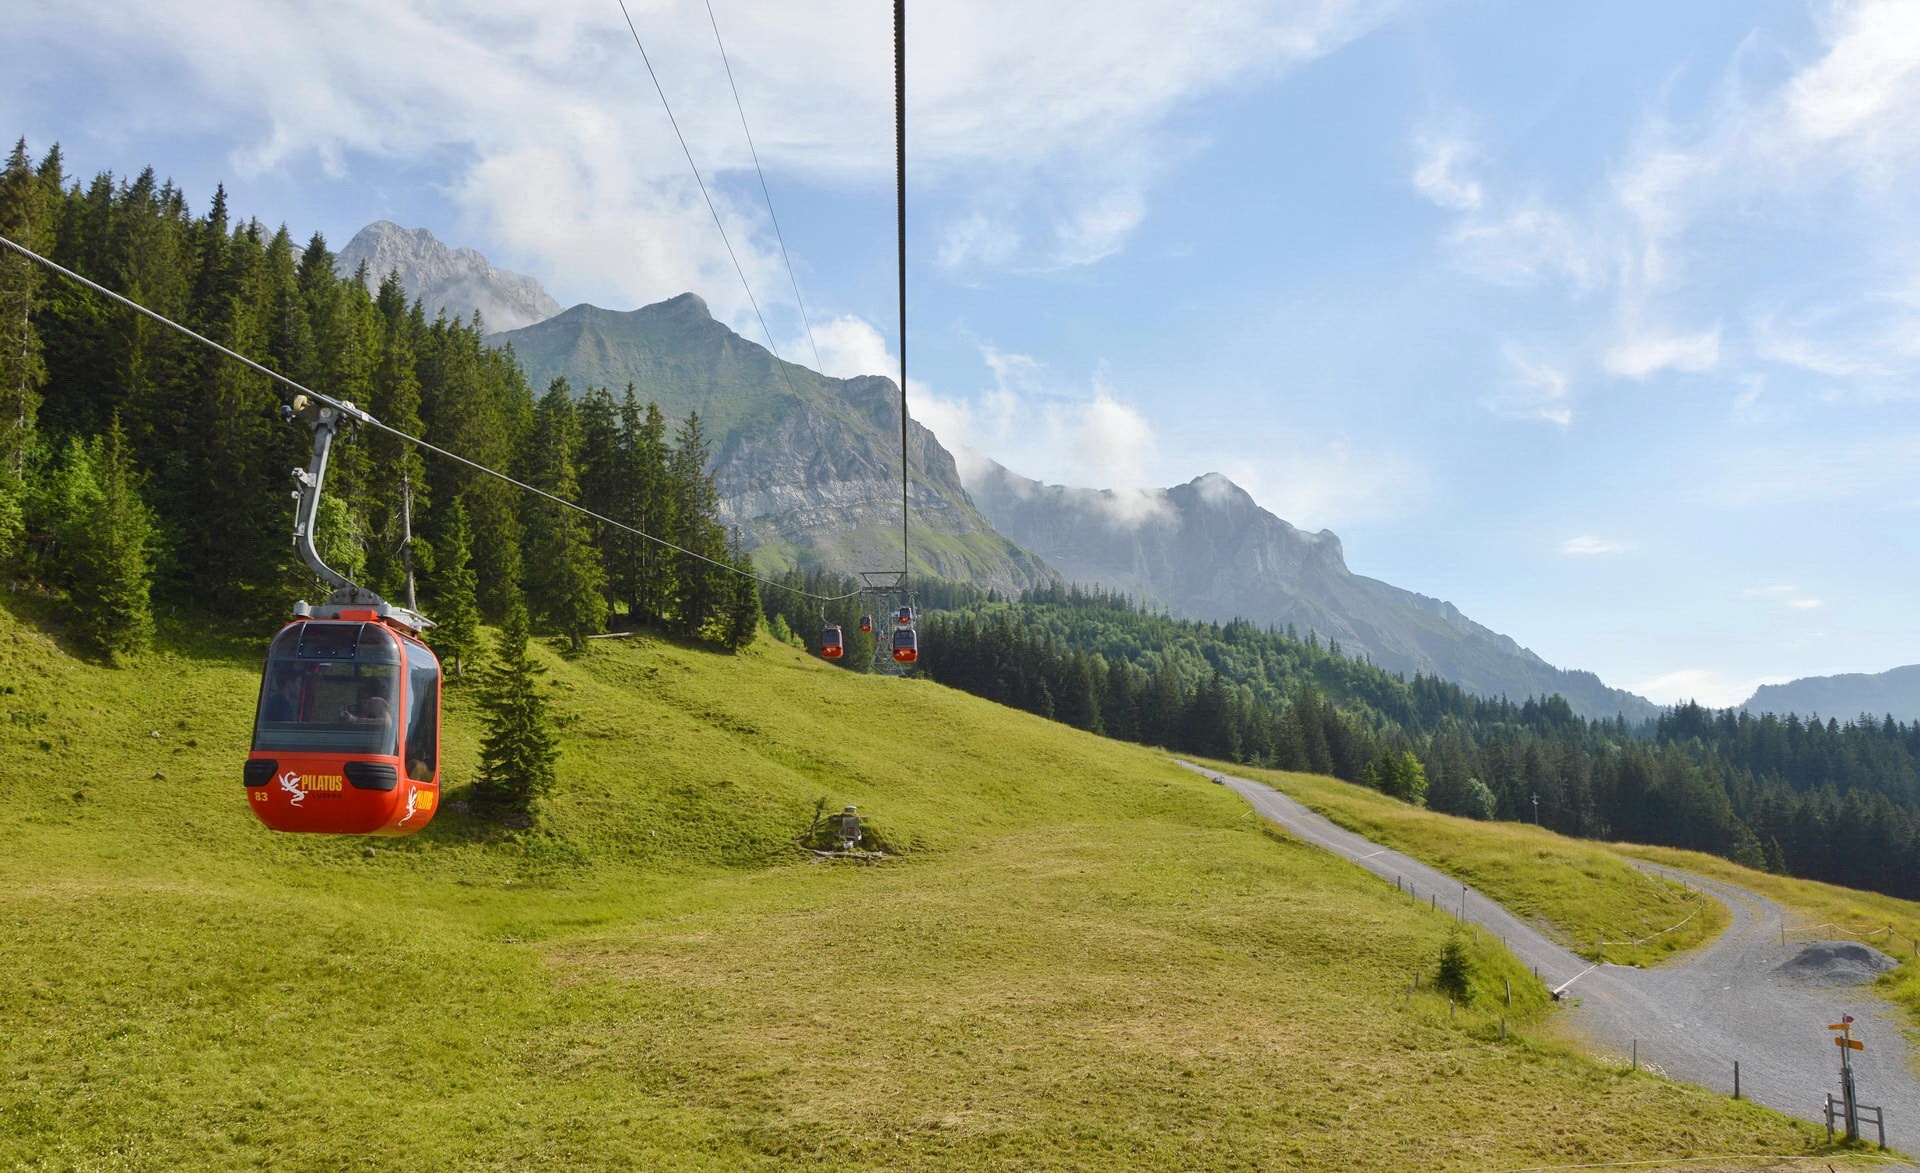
x=1692 y=1017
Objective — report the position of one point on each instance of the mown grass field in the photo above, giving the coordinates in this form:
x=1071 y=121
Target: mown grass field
x=1081 y=956
x=1579 y=892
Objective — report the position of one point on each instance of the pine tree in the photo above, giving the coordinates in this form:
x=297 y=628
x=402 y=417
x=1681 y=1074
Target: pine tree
x=456 y=615
x=653 y=581
x=103 y=539
x=741 y=618
x=564 y=575
x=26 y=217
x=396 y=474
x=1456 y=972
x=519 y=751
x=702 y=594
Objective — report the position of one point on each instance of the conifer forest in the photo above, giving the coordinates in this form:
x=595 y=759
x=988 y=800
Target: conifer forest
x=139 y=470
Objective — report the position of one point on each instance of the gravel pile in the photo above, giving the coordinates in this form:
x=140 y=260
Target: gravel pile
x=1836 y=963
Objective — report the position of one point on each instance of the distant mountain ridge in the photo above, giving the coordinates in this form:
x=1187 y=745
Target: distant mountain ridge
x=806 y=465
x=1895 y=691
x=456 y=281
x=1206 y=550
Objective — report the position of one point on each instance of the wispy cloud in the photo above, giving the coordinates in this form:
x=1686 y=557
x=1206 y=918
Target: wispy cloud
x=1587 y=545
x=1786 y=596
x=565 y=165
x=1316 y=482
x=1441 y=174
x=1525 y=245
x=1828 y=150
x=1642 y=353
x=1537 y=390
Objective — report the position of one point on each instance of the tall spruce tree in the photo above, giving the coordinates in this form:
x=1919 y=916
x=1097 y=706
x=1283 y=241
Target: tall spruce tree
x=112 y=569
x=456 y=604
x=564 y=575
x=519 y=752
x=26 y=216
x=703 y=593
x=103 y=558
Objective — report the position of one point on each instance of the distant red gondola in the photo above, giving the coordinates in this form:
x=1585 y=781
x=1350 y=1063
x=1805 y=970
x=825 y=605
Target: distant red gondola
x=866 y=623
x=831 y=645
x=906 y=645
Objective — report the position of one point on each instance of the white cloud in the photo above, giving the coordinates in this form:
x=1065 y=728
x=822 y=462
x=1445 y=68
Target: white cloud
x=1865 y=88
x=1537 y=391
x=1440 y=174
x=1786 y=596
x=1825 y=153
x=1640 y=354
x=564 y=164
x=977 y=241
x=1706 y=686
x=1588 y=544
x=1524 y=246
x=1315 y=482
x=851 y=346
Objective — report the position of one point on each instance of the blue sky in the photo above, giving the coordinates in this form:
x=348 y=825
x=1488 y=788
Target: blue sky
x=1600 y=320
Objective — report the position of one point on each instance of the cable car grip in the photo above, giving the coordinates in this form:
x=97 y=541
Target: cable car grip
x=325 y=419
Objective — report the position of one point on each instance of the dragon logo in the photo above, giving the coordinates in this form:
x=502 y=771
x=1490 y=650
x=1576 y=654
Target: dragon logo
x=290 y=782
x=413 y=798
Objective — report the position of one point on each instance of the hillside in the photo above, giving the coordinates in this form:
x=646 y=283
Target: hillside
x=1206 y=550
x=1083 y=957
x=807 y=466
x=1895 y=691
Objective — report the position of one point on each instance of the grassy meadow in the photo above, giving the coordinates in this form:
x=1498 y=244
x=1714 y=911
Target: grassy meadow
x=1079 y=956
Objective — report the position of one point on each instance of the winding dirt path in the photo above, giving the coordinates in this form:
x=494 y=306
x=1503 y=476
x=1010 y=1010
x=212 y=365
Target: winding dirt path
x=1691 y=1018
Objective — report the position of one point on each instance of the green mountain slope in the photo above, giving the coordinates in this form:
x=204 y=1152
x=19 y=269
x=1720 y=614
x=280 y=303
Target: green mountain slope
x=1081 y=956
x=807 y=466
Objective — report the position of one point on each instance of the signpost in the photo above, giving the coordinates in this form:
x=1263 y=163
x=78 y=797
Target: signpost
x=1848 y=1045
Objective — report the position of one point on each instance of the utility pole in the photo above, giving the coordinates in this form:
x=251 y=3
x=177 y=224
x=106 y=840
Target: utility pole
x=1536 y=808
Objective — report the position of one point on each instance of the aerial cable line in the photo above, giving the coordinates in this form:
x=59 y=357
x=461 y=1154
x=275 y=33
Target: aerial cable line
x=900 y=170
x=751 y=300
x=817 y=364
x=360 y=416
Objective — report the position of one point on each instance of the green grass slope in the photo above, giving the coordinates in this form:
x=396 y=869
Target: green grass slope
x=1081 y=956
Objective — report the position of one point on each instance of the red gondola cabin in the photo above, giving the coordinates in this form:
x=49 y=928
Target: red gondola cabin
x=346 y=740
x=906 y=645
x=866 y=623
x=831 y=645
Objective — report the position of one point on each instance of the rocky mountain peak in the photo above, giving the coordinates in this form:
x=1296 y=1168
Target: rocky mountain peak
x=1207 y=550
x=453 y=281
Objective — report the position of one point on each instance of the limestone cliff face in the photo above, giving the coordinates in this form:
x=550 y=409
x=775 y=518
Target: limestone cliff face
x=454 y=281
x=808 y=467
x=1207 y=550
